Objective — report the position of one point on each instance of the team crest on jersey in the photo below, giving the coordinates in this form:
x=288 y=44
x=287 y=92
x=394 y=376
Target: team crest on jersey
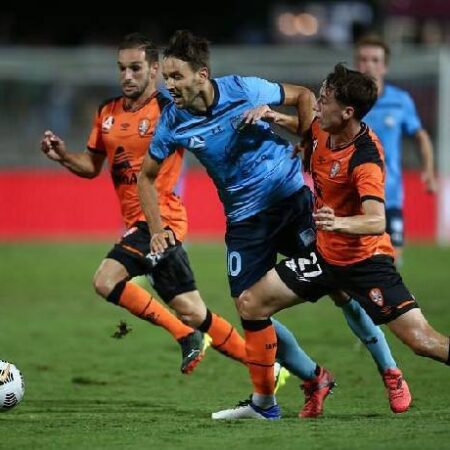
x=143 y=127
x=236 y=122
x=196 y=142
x=107 y=123
x=376 y=296
x=335 y=168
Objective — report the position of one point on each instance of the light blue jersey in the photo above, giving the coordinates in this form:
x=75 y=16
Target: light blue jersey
x=393 y=115
x=250 y=166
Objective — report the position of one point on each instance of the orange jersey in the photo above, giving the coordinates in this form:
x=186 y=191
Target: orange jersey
x=343 y=178
x=124 y=137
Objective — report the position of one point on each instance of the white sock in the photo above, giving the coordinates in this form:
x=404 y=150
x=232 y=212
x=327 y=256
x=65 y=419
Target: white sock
x=264 y=401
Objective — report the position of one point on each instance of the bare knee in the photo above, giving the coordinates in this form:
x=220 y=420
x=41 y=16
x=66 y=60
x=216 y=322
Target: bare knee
x=190 y=308
x=253 y=307
x=103 y=283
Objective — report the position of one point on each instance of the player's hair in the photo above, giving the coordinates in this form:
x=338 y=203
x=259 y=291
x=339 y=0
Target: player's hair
x=373 y=40
x=141 y=42
x=192 y=49
x=352 y=88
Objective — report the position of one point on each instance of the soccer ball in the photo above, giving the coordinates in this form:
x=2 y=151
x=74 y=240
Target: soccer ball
x=12 y=386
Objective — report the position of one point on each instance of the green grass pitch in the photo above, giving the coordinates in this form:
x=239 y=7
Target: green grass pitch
x=87 y=390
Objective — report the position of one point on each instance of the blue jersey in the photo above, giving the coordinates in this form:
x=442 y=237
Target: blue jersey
x=250 y=166
x=393 y=115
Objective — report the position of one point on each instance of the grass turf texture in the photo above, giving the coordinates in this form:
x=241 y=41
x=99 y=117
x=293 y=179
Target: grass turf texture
x=87 y=390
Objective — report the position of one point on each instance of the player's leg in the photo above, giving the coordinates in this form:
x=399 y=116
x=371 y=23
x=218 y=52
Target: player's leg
x=111 y=281
x=174 y=281
x=367 y=332
x=413 y=330
x=372 y=337
x=252 y=248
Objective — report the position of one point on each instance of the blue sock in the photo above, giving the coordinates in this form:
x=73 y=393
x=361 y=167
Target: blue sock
x=370 y=335
x=291 y=356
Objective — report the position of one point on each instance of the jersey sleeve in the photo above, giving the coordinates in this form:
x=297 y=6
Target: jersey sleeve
x=368 y=179
x=162 y=145
x=95 y=141
x=262 y=92
x=411 y=121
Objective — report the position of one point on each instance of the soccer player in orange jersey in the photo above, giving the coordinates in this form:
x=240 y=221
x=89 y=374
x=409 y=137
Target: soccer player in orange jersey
x=122 y=130
x=353 y=253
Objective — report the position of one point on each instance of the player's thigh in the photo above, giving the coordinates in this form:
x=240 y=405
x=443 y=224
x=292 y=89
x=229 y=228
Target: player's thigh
x=173 y=276
x=131 y=250
x=307 y=275
x=410 y=326
x=376 y=284
x=298 y=231
x=250 y=252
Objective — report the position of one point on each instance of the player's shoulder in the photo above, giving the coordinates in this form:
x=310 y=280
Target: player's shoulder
x=395 y=92
x=367 y=149
x=107 y=106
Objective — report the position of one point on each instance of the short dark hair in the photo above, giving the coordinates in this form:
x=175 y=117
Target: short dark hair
x=373 y=40
x=141 y=42
x=192 y=49
x=352 y=88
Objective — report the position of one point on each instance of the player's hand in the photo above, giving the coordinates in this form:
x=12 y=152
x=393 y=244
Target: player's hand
x=430 y=181
x=259 y=113
x=158 y=242
x=325 y=219
x=53 y=146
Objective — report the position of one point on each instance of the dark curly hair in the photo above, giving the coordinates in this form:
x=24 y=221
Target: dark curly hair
x=352 y=88
x=186 y=46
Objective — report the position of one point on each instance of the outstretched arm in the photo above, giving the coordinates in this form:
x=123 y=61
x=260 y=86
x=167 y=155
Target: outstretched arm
x=299 y=97
x=84 y=164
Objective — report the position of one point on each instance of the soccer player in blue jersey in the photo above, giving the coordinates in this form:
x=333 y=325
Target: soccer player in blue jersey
x=393 y=116
x=267 y=205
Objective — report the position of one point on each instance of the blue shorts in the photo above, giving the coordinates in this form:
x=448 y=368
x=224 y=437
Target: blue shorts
x=254 y=243
x=395 y=226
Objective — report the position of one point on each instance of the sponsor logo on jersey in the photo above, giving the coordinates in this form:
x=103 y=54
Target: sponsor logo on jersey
x=107 y=123
x=335 y=168
x=376 y=296
x=196 y=142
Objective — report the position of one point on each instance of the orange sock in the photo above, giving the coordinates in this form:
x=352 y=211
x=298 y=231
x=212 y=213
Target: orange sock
x=226 y=339
x=140 y=303
x=261 y=347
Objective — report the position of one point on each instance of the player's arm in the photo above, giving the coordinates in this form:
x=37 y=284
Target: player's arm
x=371 y=222
x=148 y=195
x=299 y=97
x=304 y=101
x=426 y=152
x=84 y=164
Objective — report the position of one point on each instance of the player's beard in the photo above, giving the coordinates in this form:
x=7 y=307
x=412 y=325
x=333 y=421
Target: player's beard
x=137 y=93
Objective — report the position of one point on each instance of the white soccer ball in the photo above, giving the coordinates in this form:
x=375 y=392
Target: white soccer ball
x=12 y=386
